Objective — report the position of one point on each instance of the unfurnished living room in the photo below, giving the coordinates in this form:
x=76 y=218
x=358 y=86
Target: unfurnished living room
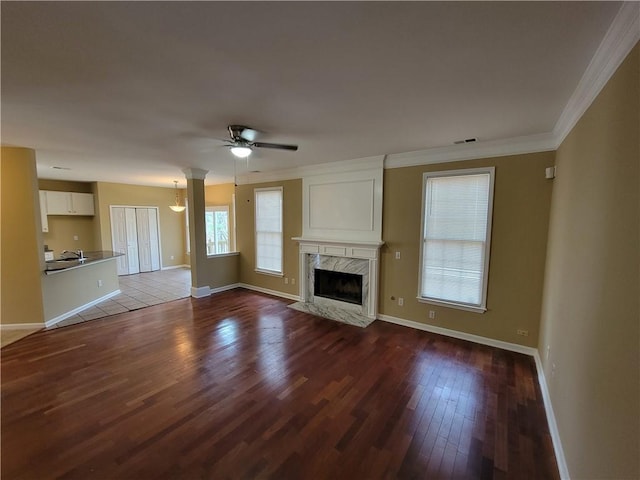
x=320 y=240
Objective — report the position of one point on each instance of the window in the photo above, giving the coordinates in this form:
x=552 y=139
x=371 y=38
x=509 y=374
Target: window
x=456 y=232
x=216 y=220
x=268 y=203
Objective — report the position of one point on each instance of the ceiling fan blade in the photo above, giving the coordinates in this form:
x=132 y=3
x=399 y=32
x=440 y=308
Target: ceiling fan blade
x=275 y=145
x=249 y=134
x=240 y=131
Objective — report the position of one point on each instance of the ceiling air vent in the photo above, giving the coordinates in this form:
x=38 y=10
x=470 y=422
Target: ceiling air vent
x=466 y=140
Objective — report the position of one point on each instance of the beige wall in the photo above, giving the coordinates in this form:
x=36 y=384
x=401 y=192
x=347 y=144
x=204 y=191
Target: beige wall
x=221 y=270
x=65 y=291
x=64 y=186
x=63 y=228
x=590 y=315
x=21 y=250
x=222 y=195
x=172 y=235
x=518 y=247
x=292 y=227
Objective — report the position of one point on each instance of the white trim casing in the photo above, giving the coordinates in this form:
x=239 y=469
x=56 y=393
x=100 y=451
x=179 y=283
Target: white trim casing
x=622 y=36
x=512 y=347
x=255 y=230
x=172 y=267
x=21 y=326
x=71 y=313
x=200 y=292
x=275 y=293
x=551 y=420
x=491 y=171
x=224 y=288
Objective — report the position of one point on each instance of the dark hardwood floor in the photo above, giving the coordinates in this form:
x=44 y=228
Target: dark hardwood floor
x=239 y=386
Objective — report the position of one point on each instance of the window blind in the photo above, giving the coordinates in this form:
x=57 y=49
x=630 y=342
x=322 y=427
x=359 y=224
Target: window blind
x=455 y=241
x=268 y=203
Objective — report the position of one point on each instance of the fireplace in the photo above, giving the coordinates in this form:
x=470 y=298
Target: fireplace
x=341 y=286
x=339 y=280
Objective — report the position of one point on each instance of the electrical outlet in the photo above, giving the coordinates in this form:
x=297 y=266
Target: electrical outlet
x=75 y=237
x=432 y=314
x=172 y=257
x=548 y=351
x=397 y=255
x=524 y=333
x=99 y=283
x=286 y=281
x=553 y=370
x=400 y=302
x=293 y=281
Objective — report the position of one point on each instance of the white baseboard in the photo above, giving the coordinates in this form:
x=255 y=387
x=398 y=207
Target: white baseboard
x=269 y=292
x=551 y=420
x=200 y=292
x=71 y=313
x=513 y=347
x=224 y=288
x=21 y=326
x=172 y=267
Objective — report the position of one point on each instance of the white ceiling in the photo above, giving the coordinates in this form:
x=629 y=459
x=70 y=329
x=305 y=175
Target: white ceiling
x=132 y=92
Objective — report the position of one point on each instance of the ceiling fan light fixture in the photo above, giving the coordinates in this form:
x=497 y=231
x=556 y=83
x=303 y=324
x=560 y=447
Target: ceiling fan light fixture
x=241 y=151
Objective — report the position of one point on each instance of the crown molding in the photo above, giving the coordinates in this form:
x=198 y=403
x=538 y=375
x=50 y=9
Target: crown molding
x=622 y=36
x=468 y=151
x=343 y=166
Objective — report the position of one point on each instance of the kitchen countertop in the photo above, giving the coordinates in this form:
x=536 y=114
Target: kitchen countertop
x=62 y=264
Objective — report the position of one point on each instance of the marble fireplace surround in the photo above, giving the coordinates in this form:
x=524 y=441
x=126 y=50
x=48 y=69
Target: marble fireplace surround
x=360 y=258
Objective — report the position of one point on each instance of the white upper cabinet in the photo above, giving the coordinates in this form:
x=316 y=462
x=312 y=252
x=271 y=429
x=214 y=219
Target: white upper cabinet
x=69 y=203
x=82 y=203
x=43 y=211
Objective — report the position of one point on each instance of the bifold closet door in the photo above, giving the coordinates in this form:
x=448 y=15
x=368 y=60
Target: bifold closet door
x=135 y=233
x=119 y=234
x=148 y=244
x=132 y=241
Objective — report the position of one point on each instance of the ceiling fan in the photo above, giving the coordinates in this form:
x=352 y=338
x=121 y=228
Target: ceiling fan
x=242 y=141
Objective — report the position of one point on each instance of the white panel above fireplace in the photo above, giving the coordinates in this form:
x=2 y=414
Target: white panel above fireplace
x=342 y=206
x=346 y=205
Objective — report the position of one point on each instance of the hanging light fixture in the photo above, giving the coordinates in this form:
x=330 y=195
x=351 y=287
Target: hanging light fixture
x=177 y=207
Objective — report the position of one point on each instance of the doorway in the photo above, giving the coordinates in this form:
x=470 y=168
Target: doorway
x=135 y=233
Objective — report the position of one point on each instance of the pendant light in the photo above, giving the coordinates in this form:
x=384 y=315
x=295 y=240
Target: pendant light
x=177 y=207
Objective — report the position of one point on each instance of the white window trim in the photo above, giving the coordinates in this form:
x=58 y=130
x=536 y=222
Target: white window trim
x=485 y=279
x=274 y=273
x=220 y=208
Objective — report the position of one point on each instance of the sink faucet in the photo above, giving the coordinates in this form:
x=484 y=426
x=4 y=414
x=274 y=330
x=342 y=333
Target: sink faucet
x=79 y=254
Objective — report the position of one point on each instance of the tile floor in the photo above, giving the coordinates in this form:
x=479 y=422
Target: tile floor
x=138 y=291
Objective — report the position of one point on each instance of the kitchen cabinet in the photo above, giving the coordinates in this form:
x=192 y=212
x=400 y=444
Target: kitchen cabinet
x=43 y=211
x=68 y=203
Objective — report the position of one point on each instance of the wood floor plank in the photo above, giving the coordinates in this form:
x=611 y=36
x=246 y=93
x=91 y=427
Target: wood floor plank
x=237 y=386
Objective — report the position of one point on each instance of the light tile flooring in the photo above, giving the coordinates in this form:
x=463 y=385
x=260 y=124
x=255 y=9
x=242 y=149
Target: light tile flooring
x=138 y=291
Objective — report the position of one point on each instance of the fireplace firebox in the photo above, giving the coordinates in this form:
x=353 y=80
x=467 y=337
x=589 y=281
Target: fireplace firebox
x=345 y=287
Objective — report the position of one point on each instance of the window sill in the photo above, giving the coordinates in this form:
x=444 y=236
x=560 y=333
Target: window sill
x=228 y=254
x=269 y=272
x=459 y=306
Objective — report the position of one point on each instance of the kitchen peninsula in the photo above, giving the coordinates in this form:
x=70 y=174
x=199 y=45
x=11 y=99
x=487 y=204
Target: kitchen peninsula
x=71 y=285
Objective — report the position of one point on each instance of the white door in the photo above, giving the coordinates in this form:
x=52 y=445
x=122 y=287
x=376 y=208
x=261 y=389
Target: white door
x=135 y=233
x=144 y=243
x=119 y=238
x=154 y=239
x=133 y=261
